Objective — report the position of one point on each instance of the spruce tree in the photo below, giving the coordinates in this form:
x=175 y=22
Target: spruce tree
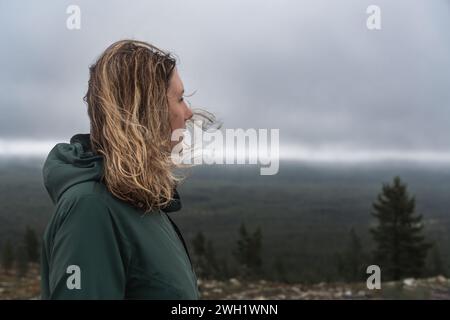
x=207 y=265
x=211 y=260
x=7 y=256
x=31 y=245
x=437 y=263
x=22 y=259
x=280 y=269
x=198 y=244
x=255 y=246
x=225 y=272
x=241 y=251
x=401 y=248
x=248 y=252
x=352 y=261
x=199 y=248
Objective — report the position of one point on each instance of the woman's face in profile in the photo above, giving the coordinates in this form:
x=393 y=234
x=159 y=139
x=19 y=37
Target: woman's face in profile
x=179 y=112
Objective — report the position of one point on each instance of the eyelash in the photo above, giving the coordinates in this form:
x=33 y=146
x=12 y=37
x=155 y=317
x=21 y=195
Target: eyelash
x=187 y=95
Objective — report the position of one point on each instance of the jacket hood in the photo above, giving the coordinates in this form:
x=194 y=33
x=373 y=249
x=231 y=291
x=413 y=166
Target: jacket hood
x=68 y=164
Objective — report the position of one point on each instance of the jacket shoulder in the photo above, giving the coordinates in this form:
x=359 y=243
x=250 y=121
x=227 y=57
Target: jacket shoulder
x=81 y=211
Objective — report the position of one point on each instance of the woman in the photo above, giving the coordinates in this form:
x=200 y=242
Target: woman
x=110 y=236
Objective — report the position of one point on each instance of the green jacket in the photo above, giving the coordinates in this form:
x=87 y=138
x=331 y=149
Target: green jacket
x=99 y=247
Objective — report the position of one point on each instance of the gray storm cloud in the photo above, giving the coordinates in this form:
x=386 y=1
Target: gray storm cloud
x=310 y=68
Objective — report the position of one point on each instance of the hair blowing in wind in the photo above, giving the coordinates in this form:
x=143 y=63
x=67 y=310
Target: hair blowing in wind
x=128 y=110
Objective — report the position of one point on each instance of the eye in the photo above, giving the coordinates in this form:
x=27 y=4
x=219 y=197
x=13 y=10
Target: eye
x=186 y=95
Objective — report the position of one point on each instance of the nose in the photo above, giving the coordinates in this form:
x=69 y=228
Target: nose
x=189 y=113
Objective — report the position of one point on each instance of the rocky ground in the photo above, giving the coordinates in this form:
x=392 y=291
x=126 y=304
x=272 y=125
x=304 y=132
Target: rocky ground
x=431 y=288
x=14 y=287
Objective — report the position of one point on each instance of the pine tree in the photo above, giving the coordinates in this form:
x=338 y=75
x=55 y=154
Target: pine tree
x=31 y=244
x=280 y=270
x=207 y=265
x=255 y=246
x=199 y=250
x=22 y=261
x=248 y=252
x=224 y=270
x=438 y=265
x=351 y=261
x=401 y=248
x=7 y=256
x=355 y=258
x=341 y=266
x=241 y=254
x=211 y=260
x=199 y=244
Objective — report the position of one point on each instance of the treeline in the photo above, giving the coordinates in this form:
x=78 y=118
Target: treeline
x=18 y=256
x=401 y=249
x=247 y=255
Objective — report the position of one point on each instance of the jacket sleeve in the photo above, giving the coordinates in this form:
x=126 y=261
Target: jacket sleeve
x=87 y=259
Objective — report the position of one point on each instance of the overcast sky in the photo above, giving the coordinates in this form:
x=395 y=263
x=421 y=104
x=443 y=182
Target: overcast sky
x=309 y=68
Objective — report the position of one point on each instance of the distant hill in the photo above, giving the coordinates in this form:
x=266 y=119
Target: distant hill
x=305 y=212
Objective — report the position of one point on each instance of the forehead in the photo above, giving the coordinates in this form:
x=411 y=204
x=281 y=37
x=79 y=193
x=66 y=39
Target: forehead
x=175 y=83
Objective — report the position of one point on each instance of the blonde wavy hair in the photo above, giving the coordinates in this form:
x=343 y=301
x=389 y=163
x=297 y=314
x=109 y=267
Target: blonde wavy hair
x=128 y=110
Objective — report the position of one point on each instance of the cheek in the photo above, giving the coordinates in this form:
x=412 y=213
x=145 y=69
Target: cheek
x=176 y=118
